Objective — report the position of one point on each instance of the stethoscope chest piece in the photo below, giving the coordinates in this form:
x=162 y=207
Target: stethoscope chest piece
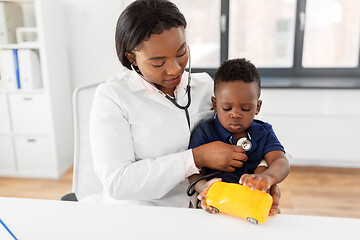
x=244 y=143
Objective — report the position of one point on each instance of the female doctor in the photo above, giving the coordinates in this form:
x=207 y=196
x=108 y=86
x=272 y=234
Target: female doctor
x=141 y=119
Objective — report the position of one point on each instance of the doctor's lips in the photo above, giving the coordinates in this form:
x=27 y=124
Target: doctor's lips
x=173 y=80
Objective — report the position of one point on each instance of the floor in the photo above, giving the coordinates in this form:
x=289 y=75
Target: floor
x=307 y=190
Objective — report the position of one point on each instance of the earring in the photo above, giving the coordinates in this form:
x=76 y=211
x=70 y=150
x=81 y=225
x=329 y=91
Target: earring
x=135 y=69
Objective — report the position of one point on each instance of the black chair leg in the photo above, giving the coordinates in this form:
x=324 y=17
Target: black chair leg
x=69 y=197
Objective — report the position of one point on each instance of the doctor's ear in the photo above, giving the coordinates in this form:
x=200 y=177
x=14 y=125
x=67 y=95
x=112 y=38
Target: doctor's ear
x=131 y=58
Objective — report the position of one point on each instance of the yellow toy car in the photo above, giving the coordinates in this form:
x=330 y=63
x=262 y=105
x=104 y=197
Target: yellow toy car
x=240 y=201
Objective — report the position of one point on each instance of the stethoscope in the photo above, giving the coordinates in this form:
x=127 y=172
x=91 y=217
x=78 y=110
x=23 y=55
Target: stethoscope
x=170 y=98
x=243 y=142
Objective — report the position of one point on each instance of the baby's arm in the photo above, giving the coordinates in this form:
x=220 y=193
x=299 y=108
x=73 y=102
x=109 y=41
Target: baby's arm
x=261 y=167
x=277 y=171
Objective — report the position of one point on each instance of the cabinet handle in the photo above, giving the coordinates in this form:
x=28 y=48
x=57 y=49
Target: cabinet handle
x=31 y=140
x=27 y=98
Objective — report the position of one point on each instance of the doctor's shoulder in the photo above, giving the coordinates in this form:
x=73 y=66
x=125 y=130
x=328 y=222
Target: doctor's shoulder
x=202 y=86
x=113 y=87
x=118 y=82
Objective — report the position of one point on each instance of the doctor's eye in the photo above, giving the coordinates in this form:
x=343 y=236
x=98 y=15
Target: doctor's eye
x=158 y=65
x=182 y=52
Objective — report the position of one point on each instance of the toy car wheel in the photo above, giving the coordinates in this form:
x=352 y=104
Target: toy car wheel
x=252 y=220
x=215 y=209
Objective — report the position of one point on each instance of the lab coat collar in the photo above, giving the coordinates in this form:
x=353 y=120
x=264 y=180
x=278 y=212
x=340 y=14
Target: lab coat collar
x=136 y=83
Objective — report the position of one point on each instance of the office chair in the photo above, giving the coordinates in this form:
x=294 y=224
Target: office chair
x=85 y=181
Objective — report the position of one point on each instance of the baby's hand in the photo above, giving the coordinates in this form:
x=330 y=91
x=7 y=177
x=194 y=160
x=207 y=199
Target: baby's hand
x=257 y=181
x=203 y=194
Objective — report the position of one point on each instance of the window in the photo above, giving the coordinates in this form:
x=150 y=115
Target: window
x=332 y=33
x=283 y=38
x=203 y=31
x=263 y=31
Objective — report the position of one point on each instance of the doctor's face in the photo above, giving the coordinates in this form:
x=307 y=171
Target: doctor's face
x=162 y=59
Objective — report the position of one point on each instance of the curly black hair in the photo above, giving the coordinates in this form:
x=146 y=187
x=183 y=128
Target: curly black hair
x=141 y=19
x=238 y=69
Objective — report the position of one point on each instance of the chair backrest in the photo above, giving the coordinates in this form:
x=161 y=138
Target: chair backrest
x=85 y=180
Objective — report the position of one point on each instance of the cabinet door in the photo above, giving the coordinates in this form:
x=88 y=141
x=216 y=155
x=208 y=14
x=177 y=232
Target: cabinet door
x=30 y=113
x=4 y=115
x=7 y=161
x=34 y=155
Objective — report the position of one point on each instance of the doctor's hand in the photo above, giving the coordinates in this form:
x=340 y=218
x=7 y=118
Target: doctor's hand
x=220 y=156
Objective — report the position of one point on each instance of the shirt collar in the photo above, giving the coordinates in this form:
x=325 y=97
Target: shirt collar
x=255 y=131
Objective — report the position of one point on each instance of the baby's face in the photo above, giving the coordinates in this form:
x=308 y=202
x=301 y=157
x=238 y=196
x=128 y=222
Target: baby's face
x=236 y=104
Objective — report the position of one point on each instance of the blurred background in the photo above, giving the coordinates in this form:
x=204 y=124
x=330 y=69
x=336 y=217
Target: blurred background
x=307 y=52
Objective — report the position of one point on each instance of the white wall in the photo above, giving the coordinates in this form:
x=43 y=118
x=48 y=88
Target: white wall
x=318 y=127
x=90 y=29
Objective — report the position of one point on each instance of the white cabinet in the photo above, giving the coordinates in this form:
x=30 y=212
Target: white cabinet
x=7 y=160
x=34 y=153
x=36 y=135
x=30 y=113
x=4 y=115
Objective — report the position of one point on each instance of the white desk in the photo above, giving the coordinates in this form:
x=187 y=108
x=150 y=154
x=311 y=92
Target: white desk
x=43 y=219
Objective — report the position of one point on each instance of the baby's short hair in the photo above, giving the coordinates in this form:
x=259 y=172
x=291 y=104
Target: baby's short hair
x=238 y=69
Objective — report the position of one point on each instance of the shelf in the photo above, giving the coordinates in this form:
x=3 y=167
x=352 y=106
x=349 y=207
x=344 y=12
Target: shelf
x=33 y=45
x=17 y=1
x=23 y=91
x=35 y=123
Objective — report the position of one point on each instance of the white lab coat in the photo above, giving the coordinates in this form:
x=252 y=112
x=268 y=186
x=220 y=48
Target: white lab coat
x=139 y=139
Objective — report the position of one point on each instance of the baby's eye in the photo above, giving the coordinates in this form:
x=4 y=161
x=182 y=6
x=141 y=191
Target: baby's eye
x=246 y=109
x=226 y=109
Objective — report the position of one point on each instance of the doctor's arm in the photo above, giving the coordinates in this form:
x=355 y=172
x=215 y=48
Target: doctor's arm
x=113 y=151
x=125 y=178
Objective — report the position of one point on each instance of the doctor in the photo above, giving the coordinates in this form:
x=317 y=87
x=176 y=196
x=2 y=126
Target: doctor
x=141 y=119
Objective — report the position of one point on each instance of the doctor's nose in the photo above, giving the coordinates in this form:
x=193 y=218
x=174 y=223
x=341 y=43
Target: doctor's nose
x=173 y=68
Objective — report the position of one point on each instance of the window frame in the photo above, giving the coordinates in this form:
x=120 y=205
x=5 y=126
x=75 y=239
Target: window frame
x=295 y=73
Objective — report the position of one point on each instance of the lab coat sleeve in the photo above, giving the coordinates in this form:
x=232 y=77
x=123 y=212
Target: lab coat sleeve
x=122 y=177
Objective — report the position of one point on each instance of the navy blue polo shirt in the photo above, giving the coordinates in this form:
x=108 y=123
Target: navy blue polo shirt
x=262 y=138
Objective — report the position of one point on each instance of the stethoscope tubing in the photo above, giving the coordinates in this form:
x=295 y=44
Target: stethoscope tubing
x=190 y=191
x=243 y=143
x=188 y=88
